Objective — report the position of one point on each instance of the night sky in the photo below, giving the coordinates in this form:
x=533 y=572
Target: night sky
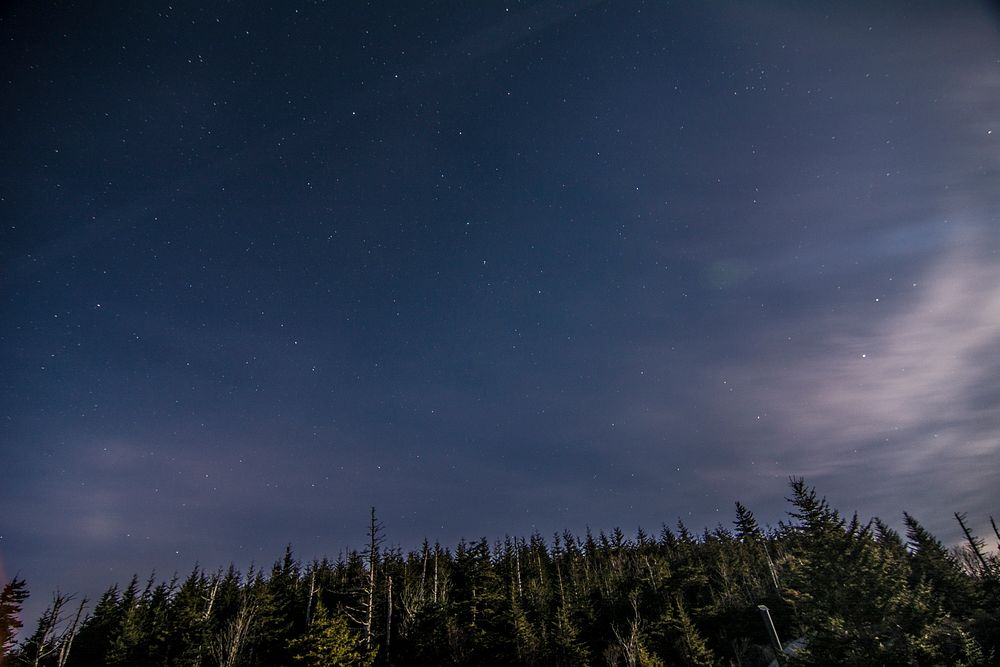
x=490 y=267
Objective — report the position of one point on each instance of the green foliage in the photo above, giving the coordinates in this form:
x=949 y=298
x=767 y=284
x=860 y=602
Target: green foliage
x=932 y=565
x=187 y=635
x=100 y=633
x=855 y=592
x=280 y=610
x=746 y=523
x=329 y=642
x=692 y=647
x=851 y=588
x=13 y=595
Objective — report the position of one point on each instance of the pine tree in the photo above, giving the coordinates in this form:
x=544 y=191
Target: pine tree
x=857 y=593
x=482 y=611
x=188 y=621
x=930 y=563
x=99 y=632
x=983 y=570
x=678 y=640
x=126 y=641
x=329 y=642
x=746 y=524
x=280 y=610
x=153 y=648
x=852 y=592
x=13 y=595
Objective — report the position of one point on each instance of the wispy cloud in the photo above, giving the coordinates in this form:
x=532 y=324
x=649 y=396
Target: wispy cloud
x=925 y=371
x=896 y=404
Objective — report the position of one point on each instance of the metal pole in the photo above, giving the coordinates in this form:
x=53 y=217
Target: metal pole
x=388 y=619
x=765 y=615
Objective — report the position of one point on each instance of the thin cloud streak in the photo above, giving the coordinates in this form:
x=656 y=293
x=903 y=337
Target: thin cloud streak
x=921 y=372
x=898 y=404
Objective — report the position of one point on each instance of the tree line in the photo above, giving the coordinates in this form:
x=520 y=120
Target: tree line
x=849 y=592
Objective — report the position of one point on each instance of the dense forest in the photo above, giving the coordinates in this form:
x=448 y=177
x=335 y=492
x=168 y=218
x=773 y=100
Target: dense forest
x=840 y=590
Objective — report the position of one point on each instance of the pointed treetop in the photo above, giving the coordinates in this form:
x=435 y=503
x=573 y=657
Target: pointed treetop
x=746 y=523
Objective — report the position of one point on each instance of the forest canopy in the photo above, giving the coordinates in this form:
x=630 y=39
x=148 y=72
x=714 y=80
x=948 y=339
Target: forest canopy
x=840 y=591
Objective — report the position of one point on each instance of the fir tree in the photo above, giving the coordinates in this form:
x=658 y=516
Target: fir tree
x=329 y=642
x=13 y=595
x=931 y=564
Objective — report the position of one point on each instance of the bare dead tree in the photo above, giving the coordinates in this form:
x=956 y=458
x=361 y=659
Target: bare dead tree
x=69 y=634
x=436 y=550
x=230 y=643
x=388 y=615
x=48 y=639
x=976 y=544
x=312 y=593
x=365 y=615
x=423 y=573
x=210 y=600
x=517 y=566
x=628 y=640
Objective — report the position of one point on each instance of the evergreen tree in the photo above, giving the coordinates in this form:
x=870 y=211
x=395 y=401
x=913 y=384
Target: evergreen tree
x=853 y=595
x=280 y=605
x=481 y=607
x=13 y=595
x=746 y=524
x=125 y=647
x=691 y=646
x=931 y=564
x=329 y=642
x=188 y=621
x=154 y=624
x=983 y=570
x=855 y=591
x=99 y=632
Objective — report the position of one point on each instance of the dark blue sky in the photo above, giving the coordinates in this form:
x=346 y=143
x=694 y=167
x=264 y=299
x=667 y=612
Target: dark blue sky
x=490 y=267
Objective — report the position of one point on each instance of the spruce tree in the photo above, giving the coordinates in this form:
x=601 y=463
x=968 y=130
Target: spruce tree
x=931 y=564
x=329 y=641
x=13 y=595
x=99 y=633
